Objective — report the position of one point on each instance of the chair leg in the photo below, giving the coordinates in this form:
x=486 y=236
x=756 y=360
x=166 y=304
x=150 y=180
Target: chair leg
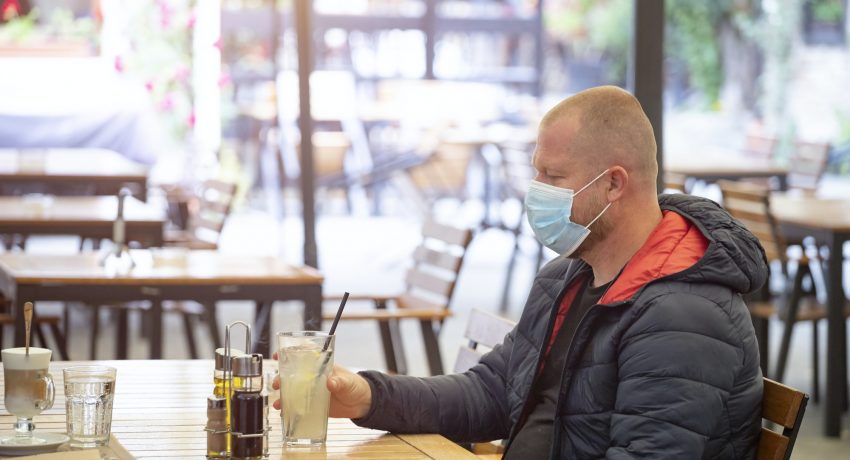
x=391 y=343
x=188 y=329
x=815 y=363
x=762 y=328
x=432 y=347
x=61 y=342
x=791 y=309
x=122 y=333
x=40 y=332
x=211 y=317
x=95 y=331
x=506 y=290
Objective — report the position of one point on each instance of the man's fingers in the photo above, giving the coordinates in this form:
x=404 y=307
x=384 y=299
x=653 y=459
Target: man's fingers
x=276 y=404
x=274 y=356
x=276 y=383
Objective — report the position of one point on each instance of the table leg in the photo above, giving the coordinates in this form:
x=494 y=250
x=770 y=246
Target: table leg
x=783 y=182
x=156 y=330
x=262 y=328
x=313 y=308
x=836 y=345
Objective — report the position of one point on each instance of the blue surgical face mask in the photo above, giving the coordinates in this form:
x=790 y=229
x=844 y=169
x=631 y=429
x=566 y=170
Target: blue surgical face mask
x=549 y=209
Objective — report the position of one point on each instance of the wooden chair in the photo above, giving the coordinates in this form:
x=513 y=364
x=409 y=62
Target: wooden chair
x=489 y=330
x=675 y=183
x=483 y=329
x=807 y=164
x=749 y=203
x=430 y=287
x=785 y=407
x=760 y=146
x=39 y=322
x=517 y=173
x=208 y=212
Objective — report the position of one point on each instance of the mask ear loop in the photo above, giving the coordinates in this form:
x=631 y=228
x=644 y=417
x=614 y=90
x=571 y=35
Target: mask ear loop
x=598 y=215
x=591 y=182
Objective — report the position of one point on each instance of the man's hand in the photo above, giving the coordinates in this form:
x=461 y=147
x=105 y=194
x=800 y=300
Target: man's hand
x=351 y=396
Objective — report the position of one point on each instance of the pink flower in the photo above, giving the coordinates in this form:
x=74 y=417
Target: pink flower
x=164 y=15
x=181 y=74
x=167 y=103
x=119 y=64
x=149 y=85
x=191 y=119
x=217 y=43
x=190 y=23
x=224 y=80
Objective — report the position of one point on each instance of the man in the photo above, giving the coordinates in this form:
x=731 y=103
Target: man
x=634 y=344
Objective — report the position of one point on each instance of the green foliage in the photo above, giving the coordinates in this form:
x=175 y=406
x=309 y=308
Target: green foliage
x=828 y=10
x=692 y=37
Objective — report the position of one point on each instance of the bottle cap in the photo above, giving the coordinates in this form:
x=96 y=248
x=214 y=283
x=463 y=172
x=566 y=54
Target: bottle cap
x=219 y=357
x=247 y=366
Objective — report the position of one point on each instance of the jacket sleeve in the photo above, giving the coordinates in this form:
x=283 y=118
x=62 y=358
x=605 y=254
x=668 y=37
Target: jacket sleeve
x=675 y=378
x=467 y=407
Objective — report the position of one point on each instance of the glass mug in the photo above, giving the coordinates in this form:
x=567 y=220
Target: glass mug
x=28 y=390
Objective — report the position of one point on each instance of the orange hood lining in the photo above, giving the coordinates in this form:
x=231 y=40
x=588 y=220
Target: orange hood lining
x=675 y=244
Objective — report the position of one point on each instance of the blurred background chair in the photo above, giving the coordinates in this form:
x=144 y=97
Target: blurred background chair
x=798 y=301
x=430 y=285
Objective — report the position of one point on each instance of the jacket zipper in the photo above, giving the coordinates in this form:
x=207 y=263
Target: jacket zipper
x=540 y=357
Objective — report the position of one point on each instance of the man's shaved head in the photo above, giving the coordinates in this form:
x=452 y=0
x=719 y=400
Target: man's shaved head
x=606 y=126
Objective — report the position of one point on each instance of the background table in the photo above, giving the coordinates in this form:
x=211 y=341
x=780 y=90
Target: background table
x=203 y=276
x=84 y=171
x=86 y=217
x=160 y=412
x=828 y=221
x=715 y=169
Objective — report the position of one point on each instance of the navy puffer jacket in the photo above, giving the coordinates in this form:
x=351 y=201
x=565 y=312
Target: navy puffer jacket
x=665 y=366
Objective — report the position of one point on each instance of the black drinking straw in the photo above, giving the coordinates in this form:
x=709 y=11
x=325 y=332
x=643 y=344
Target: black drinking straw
x=336 y=321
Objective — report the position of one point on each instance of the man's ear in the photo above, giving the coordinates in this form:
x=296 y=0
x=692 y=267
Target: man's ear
x=617 y=183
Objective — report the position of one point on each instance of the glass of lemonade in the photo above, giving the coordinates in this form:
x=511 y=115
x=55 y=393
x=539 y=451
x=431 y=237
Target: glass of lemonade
x=306 y=361
x=89 y=392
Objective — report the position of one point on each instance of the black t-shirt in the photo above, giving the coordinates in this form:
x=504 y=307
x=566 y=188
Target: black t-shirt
x=534 y=439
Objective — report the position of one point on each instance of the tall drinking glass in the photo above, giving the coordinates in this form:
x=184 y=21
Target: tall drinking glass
x=89 y=392
x=28 y=391
x=305 y=360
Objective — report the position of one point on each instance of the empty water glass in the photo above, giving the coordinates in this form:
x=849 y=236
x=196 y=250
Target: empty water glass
x=89 y=391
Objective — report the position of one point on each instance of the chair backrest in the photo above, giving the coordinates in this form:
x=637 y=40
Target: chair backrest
x=749 y=203
x=516 y=166
x=760 y=146
x=674 y=183
x=807 y=164
x=437 y=262
x=214 y=203
x=785 y=407
x=485 y=329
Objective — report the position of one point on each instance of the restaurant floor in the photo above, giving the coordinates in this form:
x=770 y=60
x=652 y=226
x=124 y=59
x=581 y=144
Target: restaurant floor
x=368 y=255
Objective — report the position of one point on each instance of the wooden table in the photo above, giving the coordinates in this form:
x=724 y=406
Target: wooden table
x=828 y=221
x=86 y=217
x=70 y=172
x=717 y=168
x=203 y=276
x=160 y=412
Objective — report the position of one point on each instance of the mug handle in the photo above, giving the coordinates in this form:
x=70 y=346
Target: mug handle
x=47 y=403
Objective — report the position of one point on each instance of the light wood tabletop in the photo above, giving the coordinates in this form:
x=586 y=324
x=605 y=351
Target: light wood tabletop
x=157 y=267
x=160 y=275
x=70 y=171
x=84 y=216
x=160 y=412
x=811 y=211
